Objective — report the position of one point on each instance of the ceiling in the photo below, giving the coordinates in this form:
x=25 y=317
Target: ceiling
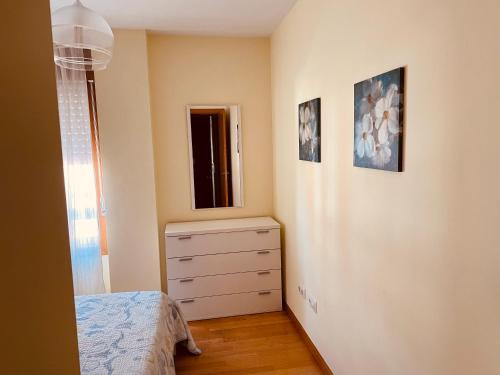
x=199 y=17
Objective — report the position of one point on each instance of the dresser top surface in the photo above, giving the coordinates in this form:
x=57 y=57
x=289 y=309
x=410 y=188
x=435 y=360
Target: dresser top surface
x=216 y=226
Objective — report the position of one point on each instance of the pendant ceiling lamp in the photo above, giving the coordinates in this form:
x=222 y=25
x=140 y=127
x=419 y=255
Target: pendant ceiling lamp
x=83 y=40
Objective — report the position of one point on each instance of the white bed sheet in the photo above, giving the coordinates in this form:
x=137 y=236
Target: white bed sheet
x=130 y=333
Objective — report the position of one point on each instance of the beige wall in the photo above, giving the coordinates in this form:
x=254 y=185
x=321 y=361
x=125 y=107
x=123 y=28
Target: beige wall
x=38 y=312
x=209 y=70
x=128 y=167
x=405 y=266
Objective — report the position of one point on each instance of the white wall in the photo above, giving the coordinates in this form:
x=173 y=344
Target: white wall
x=209 y=71
x=38 y=333
x=405 y=266
x=122 y=93
x=181 y=70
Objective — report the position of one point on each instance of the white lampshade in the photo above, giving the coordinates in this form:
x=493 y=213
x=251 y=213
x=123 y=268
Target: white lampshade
x=82 y=38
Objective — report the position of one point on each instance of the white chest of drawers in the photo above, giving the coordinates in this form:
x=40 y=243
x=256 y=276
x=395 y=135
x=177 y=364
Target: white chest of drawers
x=224 y=267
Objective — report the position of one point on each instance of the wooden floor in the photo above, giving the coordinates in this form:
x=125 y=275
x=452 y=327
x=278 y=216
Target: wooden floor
x=252 y=344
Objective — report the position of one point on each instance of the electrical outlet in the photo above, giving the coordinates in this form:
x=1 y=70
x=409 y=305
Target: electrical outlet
x=313 y=303
x=302 y=291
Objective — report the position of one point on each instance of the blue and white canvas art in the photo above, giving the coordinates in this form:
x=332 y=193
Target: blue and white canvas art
x=378 y=121
x=310 y=130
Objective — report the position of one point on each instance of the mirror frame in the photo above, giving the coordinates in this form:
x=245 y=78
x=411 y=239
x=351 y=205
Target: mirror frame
x=240 y=153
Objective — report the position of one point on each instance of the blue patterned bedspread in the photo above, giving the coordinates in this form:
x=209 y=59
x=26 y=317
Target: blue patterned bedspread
x=130 y=333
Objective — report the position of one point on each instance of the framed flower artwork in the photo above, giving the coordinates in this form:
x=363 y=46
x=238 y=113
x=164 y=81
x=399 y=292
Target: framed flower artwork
x=310 y=130
x=378 y=122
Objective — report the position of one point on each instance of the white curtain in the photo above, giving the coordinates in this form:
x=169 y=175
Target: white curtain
x=79 y=181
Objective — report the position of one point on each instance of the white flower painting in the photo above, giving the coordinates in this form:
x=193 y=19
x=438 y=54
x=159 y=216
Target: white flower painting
x=310 y=130
x=378 y=121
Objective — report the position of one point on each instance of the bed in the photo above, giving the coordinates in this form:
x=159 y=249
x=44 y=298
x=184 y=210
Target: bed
x=130 y=333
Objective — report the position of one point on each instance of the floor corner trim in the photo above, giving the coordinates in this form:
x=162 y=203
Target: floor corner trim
x=310 y=345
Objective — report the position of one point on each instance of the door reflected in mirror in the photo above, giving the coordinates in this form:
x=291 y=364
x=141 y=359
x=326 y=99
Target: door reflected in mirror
x=215 y=156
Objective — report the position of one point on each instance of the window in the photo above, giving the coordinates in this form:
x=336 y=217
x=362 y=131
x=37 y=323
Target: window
x=94 y=128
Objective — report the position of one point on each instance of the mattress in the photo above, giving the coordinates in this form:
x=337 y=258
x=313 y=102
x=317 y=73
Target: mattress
x=130 y=333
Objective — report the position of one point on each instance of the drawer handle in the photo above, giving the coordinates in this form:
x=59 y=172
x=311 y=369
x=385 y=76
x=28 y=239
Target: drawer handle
x=263 y=231
x=263 y=273
x=187 y=301
x=187 y=280
x=263 y=252
x=185 y=259
x=264 y=293
x=184 y=238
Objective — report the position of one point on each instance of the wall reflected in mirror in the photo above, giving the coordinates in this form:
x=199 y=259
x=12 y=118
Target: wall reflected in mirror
x=215 y=156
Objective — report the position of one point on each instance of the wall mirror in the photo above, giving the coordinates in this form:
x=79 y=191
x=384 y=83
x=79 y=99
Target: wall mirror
x=215 y=156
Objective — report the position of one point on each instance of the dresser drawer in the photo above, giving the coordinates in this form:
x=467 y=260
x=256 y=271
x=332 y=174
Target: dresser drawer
x=215 y=243
x=206 y=286
x=218 y=264
x=231 y=304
